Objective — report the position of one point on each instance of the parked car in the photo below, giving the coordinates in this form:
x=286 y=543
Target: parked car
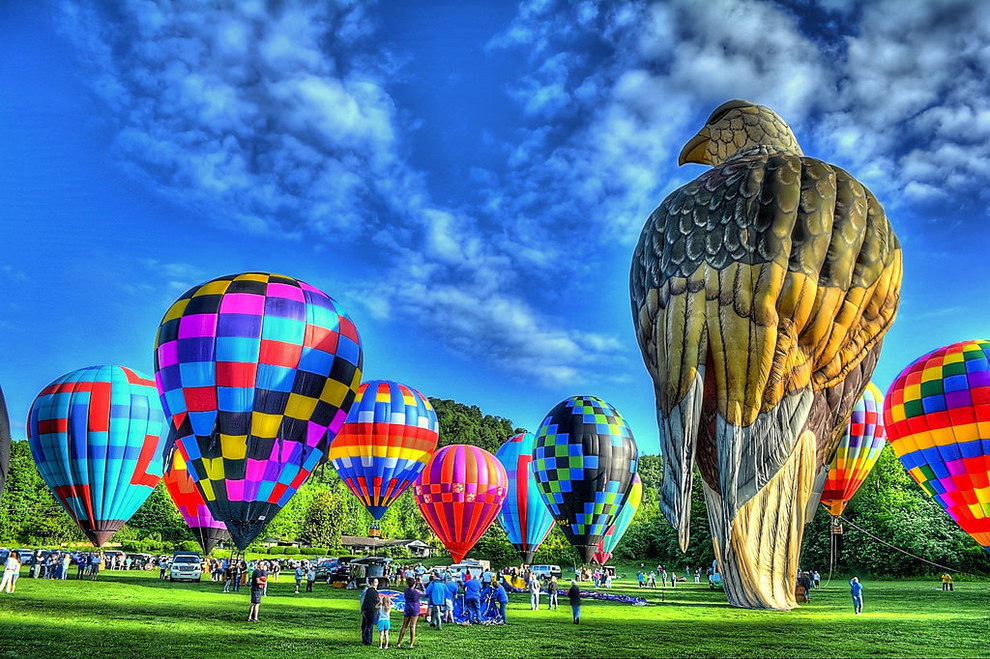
x=186 y=566
x=545 y=571
x=138 y=561
x=325 y=568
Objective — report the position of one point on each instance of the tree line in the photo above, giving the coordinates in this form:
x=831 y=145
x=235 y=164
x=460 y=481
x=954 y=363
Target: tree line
x=890 y=508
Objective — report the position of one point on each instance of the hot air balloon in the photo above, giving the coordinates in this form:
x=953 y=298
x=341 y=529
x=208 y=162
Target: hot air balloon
x=257 y=372
x=761 y=292
x=4 y=443
x=524 y=515
x=390 y=433
x=96 y=435
x=858 y=451
x=189 y=501
x=459 y=494
x=937 y=414
x=615 y=532
x=584 y=462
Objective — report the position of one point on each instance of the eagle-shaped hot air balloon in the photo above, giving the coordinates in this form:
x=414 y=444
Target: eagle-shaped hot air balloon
x=608 y=543
x=937 y=414
x=761 y=292
x=390 y=433
x=857 y=453
x=257 y=372
x=188 y=499
x=96 y=435
x=459 y=494
x=4 y=443
x=584 y=461
x=524 y=517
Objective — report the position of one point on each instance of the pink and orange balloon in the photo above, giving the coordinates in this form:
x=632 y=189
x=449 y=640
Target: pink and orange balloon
x=459 y=493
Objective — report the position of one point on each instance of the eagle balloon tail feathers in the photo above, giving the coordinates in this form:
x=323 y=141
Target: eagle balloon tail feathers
x=679 y=438
x=759 y=546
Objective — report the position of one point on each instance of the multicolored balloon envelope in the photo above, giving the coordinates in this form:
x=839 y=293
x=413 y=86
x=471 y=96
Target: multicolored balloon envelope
x=584 y=462
x=858 y=451
x=459 y=494
x=390 y=433
x=257 y=372
x=607 y=545
x=4 y=443
x=189 y=501
x=937 y=414
x=524 y=515
x=96 y=435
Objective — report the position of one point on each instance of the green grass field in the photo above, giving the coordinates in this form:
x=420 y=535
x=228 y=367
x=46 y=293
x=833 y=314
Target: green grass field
x=133 y=614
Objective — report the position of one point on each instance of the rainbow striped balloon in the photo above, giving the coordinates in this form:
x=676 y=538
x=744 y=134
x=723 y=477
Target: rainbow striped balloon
x=937 y=414
x=612 y=537
x=96 y=435
x=188 y=499
x=524 y=516
x=459 y=494
x=390 y=433
x=858 y=451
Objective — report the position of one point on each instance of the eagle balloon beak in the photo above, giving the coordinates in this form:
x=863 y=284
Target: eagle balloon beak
x=696 y=150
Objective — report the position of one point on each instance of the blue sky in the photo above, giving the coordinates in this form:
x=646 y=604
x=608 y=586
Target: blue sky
x=467 y=179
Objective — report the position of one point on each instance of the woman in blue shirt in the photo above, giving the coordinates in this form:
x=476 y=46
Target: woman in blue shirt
x=856 y=589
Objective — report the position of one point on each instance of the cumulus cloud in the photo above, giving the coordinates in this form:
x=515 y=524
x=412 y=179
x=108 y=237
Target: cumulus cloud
x=277 y=118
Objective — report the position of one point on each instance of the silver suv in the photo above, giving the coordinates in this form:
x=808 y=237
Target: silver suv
x=185 y=566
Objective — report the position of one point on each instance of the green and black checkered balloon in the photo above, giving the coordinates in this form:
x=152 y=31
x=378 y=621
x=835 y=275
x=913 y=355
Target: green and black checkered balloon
x=584 y=462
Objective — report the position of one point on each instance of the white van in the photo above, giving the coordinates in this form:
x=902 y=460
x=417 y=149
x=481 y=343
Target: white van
x=185 y=566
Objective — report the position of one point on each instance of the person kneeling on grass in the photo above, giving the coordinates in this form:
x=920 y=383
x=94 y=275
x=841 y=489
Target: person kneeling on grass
x=574 y=594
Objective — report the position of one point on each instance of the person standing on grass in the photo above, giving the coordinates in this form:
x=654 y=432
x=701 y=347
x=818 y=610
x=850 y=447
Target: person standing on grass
x=410 y=611
x=384 y=621
x=534 y=591
x=641 y=578
x=369 y=609
x=11 y=570
x=946 y=582
x=552 y=593
x=451 y=586
x=66 y=561
x=94 y=566
x=276 y=569
x=228 y=577
x=817 y=578
x=80 y=566
x=436 y=594
x=310 y=578
x=502 y=598
x=856 y=590
x=162 y=568
x=300 y=572
x=259 y=580
x=574 y=595
x=472 y=600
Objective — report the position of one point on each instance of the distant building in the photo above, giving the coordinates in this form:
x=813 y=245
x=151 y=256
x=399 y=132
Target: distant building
x=366 y=545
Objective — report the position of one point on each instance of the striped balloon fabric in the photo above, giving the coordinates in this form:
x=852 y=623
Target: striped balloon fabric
x=257 y=372
x=612 y=537
x=96 y=435
x=937 y=414
x=188 y=499
x=524 y=516
x=390 y=433
x=459 y=494
x=858 y=451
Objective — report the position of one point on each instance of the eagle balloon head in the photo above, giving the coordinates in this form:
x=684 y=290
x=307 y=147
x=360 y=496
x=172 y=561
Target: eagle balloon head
x=734 y=126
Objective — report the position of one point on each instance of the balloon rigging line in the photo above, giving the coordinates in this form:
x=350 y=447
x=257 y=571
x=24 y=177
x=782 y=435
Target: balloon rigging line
x=903 y=551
